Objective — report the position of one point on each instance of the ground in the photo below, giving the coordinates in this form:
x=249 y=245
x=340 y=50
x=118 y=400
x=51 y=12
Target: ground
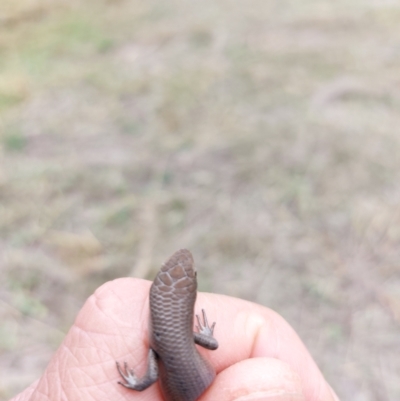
x=263 y=136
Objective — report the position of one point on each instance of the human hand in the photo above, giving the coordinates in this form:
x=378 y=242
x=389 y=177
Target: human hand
x=260 y=357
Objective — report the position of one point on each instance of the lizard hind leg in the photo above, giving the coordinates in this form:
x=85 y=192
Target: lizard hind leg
x=133 y=382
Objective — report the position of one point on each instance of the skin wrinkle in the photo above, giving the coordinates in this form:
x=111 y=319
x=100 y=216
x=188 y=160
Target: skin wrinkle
x=108 y=343
x=88 y=333
x=277 y=339
x=254 y=323
x=42 y=394
x=80 y=333
x=128 y=342
x=98 y=298
x=257 y=331
x=134 y=348
x=62 y=384
x=94 y=301
x=95 y=386
x=103 y=365
x=64 y=346
x=141 y=318
x=81 y=373
x=94 y=396
x=74 y=385
x=136 y=281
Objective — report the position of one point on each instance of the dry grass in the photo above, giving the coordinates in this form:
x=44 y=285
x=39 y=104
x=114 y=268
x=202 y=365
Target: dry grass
x=264 y=137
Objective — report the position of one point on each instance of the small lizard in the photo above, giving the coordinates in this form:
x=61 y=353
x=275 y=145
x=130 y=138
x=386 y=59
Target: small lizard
x=184 y=374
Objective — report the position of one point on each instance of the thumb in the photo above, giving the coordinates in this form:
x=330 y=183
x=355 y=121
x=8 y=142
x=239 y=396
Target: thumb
x=256 y=379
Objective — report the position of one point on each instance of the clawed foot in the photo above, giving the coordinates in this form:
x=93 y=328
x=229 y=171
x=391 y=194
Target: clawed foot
x=129 y=376
x=204 y=329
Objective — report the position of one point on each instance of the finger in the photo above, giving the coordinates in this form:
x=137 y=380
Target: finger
x=111 y=326
x=256 y=379
x=247 y=330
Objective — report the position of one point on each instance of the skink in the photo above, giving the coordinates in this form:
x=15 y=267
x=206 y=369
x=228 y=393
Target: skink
x=184 y=374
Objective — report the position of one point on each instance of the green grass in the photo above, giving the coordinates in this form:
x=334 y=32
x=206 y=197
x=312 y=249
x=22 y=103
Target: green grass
x=14 y=141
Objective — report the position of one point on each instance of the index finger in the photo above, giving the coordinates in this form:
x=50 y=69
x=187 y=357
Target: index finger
x=247 y=330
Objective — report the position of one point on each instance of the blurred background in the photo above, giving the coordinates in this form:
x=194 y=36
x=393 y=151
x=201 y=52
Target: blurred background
x=262 y=135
